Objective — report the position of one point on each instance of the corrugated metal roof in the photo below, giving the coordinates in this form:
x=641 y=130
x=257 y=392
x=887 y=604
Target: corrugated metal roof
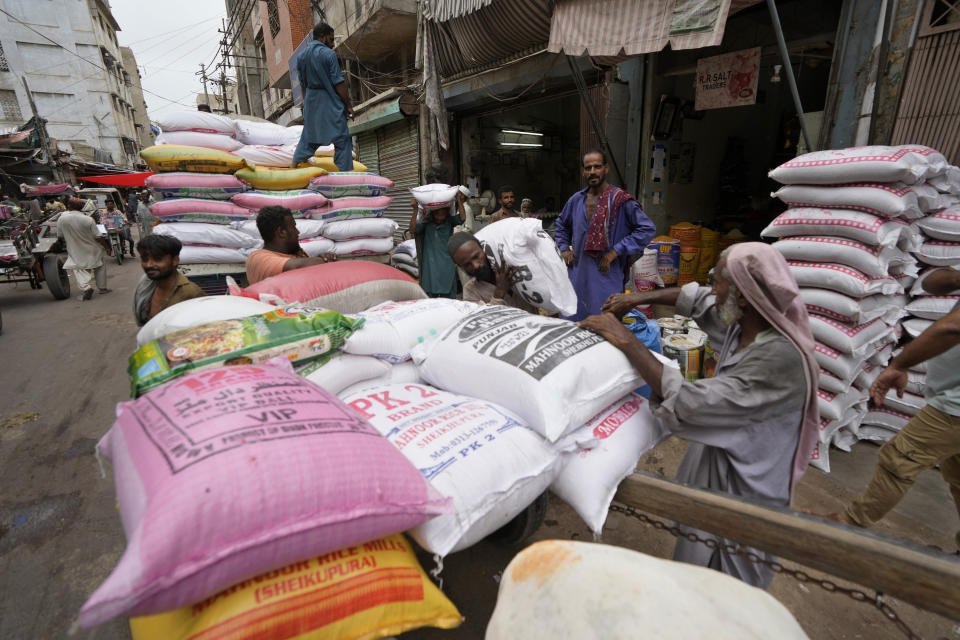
x=490 y=33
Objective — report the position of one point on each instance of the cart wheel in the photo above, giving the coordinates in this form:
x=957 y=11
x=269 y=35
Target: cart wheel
x=56 y=277
x=524 y=525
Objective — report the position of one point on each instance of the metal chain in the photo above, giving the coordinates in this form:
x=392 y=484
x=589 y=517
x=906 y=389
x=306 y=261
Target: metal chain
x=800 y=576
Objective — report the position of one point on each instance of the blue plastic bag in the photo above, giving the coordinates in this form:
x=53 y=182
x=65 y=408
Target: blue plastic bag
x=647 y=331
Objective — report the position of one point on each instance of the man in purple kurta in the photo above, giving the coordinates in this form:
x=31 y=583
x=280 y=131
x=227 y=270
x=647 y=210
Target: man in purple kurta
x=599 y=232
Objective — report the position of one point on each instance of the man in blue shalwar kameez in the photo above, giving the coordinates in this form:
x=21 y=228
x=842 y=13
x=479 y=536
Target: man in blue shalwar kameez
x=599 y=231
x=326 y=105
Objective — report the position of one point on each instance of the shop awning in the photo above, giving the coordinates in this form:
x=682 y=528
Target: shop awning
x=608 y=28
x=120 y=179
x=490 y=31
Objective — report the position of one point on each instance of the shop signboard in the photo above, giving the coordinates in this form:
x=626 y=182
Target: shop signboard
x=728 y=80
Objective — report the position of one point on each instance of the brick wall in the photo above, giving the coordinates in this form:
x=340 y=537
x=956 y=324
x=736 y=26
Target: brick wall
x=295 y=23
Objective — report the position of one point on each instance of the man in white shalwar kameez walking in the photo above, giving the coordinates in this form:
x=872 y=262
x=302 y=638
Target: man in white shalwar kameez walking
x=752 y=426
x=85 y=249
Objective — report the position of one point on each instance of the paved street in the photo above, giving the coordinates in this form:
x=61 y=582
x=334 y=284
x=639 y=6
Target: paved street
x=64 y=369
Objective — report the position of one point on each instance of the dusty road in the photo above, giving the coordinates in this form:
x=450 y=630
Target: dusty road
x=63 y=371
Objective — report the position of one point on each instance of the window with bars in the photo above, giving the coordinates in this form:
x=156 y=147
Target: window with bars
x=9 y=105
x=273 y=17
x=940 y=16
x=3 y=60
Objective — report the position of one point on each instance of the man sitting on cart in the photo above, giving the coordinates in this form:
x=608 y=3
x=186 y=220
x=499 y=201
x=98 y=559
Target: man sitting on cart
x=281 y=246
x=162 y=284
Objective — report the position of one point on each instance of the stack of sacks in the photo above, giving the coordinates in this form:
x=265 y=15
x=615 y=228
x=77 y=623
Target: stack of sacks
x=266 y=144
x=405 y=258
x=848 y=238
x=198 y=129
x=323 y=158
x=193 y=188
x=182 y=452
x=353 y=214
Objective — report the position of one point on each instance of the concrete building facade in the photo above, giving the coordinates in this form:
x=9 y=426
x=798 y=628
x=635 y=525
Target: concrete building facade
x=67 y=52
x=141 y=122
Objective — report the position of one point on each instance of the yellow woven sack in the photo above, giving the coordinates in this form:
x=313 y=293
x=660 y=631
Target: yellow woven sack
x=175 y=157
x=279 y=179
x=369 y=591
x=326 y=162
x=688 y=234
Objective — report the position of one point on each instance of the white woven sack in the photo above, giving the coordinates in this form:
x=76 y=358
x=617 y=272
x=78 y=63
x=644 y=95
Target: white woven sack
x=392 y=329
x=401 y=373
x=843 y=365
x=196 y=121
x=343 y=370
x=928 y=198
x=403 y=258
x=842 y=279
x=846 y=338
x=887 y=200
x=265 y=133
x=835 y=406
x=939 y=253
x=932 y=307
x=479 y=454
x=941 y=225
x=841 y=308
x=407 y=246
x=568 y=590
x=884 y=416
x=361 y=228
x=915 y=326
x=948 y=181
x=220 y=141
x=317 y=246
x=618 y=436
x=828 y=427
x=523 y=244
x=867 y=375
x=854 y=225
x=916 y=382
x=829 y=382
x=267 y=155
x=820 y=457
x=197 y=311
x=910 y=164
x=217 y=235
x=434 y=196
x=363 y=246
x=910 y=404
x=871 y=261
x=882 y=351
x=194 y=254
x=410 y=270
x=551 y=372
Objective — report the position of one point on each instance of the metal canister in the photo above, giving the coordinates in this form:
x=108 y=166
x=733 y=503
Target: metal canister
x=687 y=349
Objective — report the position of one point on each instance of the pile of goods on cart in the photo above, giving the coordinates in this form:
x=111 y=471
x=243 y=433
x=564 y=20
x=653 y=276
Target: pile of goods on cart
x=862 y=224
x=356 y=416
x=214 y=174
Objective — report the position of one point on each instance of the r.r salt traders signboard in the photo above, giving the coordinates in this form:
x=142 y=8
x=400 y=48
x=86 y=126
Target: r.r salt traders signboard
x=729 y=80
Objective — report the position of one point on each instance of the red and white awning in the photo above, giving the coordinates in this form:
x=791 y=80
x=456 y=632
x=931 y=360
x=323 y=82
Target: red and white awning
x=607 y=28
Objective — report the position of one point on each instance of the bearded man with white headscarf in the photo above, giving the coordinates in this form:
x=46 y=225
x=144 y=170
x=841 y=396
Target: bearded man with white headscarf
x=752 y=426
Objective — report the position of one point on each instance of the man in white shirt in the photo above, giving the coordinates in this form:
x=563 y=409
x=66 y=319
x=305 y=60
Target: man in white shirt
x=85 y=249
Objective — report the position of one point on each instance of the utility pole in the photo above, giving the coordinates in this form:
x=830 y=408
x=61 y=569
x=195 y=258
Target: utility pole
x=203 y=76
x=42 y=131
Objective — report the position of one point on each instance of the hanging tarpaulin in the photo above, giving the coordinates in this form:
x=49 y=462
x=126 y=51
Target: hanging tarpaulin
x=45 y=189
x=120 y=179
x=616 y=28
x=728 y=80
x=692 y=16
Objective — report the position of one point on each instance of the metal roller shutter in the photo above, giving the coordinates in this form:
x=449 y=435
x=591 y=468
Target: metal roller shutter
x=399 y=150
x=367 y=152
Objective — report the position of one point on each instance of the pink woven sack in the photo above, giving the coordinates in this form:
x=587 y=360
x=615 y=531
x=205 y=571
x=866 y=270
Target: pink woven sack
x=225 y=474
